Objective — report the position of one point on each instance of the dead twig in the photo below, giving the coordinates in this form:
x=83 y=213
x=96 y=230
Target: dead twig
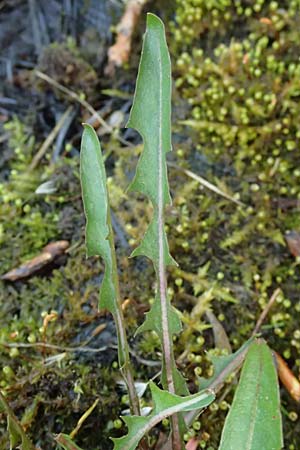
x=287 y=378
x=80 y=348
x=265 y=312
x=62 y=134
x=35 y=27
x=118 y=54
x=31 y=267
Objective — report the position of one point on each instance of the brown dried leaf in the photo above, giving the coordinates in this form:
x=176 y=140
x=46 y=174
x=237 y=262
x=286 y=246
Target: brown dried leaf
x=29 y=268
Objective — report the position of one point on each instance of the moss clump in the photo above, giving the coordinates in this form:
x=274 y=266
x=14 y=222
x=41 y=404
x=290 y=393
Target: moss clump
x=236 y=65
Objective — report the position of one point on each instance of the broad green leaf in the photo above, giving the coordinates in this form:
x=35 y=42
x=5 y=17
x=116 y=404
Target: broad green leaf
x=96 y=206
x=254 y=420
x=15 y=430
x=66 y=442
x=151 y=117
x=165 y=405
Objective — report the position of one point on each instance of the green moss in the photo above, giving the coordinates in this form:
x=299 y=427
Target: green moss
x=236 y=65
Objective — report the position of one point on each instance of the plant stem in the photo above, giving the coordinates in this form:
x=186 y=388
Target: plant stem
x=167 y=345
x=123 y=349
x=167 y=342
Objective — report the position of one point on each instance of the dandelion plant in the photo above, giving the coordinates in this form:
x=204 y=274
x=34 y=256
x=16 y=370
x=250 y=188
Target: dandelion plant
x=150 y=116
x=254 y=419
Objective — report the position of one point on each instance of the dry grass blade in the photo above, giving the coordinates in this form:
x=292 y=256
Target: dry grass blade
x=220 y=335
x=50 y=138
x=83 y=418
x=84 y=103
x=265 y=311
x=206 y=183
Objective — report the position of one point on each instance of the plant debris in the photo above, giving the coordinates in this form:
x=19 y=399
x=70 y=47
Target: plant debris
x=118 y=54
x=30 y=268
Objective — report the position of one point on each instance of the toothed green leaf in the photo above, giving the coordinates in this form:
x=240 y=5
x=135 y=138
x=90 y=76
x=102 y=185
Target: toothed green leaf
x=99 y=234
x=165 y=405
x=147 y=248
x=96 y=206
x=153 y=318
x=254 y=420
x=151 y=117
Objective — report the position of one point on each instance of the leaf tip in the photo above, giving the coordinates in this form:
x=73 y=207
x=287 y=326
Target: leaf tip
x=153 y=20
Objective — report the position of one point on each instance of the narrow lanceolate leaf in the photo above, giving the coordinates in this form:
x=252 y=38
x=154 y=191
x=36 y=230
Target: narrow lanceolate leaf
x=165 y=405
x=151 y=117
x=254 y=420
x=96 y=206
x=99 y=235
x=100 y=241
